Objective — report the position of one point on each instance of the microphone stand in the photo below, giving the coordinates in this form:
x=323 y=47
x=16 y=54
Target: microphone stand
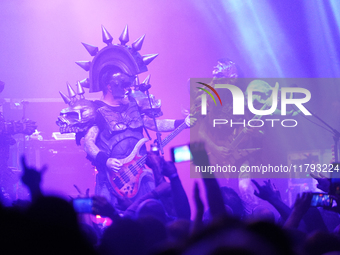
x=144 y=87
x=336 y=135
x=24 y=103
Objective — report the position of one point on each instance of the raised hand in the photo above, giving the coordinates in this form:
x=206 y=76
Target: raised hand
x=302 y=202
x=267 y=191
x=32 y=177
x=102 y=207
x=81 y=194
x=153 y=160
x=169 y=169
x=300 y=208
x=190 y=121
x=324 y=183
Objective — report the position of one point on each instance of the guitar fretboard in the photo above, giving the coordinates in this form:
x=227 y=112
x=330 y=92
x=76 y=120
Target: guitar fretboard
x=174 y=133
x=166 y=140
x=234 y=144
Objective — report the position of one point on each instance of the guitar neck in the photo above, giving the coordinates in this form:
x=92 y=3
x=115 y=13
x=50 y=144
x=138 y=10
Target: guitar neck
x=166 y=140
x=238 y=139
x=173 y=134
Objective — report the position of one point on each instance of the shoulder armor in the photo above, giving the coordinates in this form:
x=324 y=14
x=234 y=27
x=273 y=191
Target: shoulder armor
x=78 y=117
x=142 y=101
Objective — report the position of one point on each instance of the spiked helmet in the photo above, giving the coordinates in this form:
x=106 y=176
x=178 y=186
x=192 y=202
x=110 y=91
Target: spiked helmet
x=121 y=56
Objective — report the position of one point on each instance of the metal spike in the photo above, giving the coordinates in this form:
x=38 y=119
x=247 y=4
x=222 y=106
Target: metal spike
x=137 y=45
x=71 y=92
x=85 y=83
x=124 y=37
x=136 y=80
x=84 y=64
x=147 y=80
x=107 y=38
x=80 y=89
x=91 y=49
x=65 y=98
x=147 y=59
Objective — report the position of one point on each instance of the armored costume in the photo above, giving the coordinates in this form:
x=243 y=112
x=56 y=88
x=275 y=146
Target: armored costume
x=113 y=128
x=7 y=129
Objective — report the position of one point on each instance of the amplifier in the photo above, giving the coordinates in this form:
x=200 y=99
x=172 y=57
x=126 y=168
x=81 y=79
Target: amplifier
x=67 y=165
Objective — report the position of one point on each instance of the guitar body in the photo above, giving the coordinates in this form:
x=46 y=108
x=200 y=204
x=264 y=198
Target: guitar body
x=126 y=181
x=234 y=155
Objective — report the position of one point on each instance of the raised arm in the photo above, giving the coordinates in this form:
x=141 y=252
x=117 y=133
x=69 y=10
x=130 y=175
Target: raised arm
x=100 y=158
x=32 y=179
x=167 y=125
x=266 y=192
x=213 y=191
x=181 y=202
x=90 y=146
x=301 y=206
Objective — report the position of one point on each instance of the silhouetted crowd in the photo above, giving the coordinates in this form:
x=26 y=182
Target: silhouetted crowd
x=161 y=222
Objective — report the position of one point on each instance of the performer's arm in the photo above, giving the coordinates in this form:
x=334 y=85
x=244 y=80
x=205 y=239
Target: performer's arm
x=167 y=125
x=90 y=146
x=101 y=160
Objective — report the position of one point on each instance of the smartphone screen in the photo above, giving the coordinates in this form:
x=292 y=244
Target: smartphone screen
x=321 y=200
x=181 y=153
x=82 y=205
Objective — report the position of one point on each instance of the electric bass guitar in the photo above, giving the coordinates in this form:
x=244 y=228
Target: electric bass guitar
x=126 y=181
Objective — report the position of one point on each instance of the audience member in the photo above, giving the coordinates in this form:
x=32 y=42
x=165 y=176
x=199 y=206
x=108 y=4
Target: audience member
x=159 y=222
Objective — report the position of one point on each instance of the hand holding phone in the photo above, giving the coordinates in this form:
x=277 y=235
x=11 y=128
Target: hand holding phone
x=181 y=153
x=321 y=200
x=83 y=205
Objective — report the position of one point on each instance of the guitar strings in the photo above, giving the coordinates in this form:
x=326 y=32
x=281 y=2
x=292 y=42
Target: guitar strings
x=141 y=162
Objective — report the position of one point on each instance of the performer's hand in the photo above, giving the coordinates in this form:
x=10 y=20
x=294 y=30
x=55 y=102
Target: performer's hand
x=190 y=121
x=113 y=164
x=221 y=151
